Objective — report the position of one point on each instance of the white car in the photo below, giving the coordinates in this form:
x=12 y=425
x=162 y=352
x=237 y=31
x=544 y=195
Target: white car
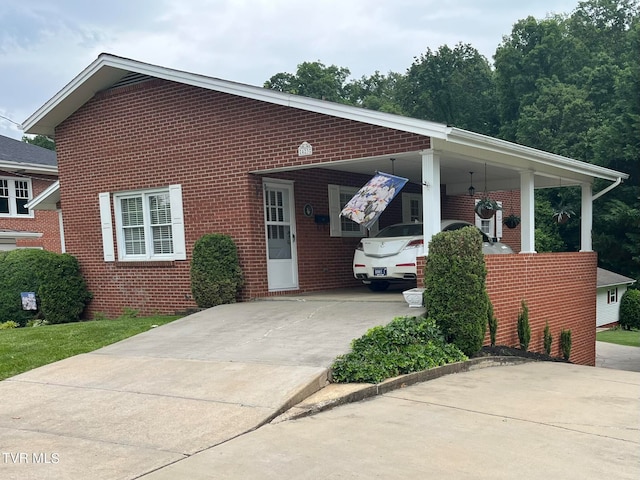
x=391 y=255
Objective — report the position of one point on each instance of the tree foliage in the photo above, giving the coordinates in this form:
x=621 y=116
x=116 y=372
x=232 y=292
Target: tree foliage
x=41 y=141
x=451 y=86
x=315 y=80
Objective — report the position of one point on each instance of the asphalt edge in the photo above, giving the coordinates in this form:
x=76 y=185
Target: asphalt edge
x=323 y=400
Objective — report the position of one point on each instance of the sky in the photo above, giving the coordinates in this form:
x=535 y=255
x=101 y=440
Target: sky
x=45 y=44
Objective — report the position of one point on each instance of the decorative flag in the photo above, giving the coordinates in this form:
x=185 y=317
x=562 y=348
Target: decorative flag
x=371 y=200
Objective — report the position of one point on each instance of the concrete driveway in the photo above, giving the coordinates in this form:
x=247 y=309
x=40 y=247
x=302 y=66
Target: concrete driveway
x=159 y=397
x=531 y=421
x=618 y=357
x=184 y=401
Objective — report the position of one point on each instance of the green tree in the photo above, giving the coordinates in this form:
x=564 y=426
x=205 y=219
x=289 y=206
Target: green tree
x=314 y=80
x=377 y=92
x=453 y=87
x=41 y=141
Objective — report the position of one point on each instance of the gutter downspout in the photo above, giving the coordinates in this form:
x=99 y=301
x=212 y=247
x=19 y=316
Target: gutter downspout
x=608 y=189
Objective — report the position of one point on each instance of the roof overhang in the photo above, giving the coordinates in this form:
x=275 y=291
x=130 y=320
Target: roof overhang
x=28 y=168
x=47 y=200
x=459 y=150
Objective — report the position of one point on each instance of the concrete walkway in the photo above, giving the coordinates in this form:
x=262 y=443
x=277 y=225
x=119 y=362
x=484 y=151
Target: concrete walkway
x=159 y=397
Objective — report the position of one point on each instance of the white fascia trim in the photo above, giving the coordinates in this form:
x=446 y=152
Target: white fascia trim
x=44 y=196
x=617 y=284
x=29 y=168
x=397 y=122
x=477 y=140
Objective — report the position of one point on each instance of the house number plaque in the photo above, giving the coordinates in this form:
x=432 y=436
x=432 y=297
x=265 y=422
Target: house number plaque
x=305 y=149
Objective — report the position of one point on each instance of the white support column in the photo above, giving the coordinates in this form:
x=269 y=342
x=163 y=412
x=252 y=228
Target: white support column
x=430 y=196
x=586 y=223
x=527 y=213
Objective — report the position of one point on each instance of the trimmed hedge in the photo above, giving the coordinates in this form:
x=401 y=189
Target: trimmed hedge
x=455 y=293
x=216 y=277
x=61 y=292
x=629 y=314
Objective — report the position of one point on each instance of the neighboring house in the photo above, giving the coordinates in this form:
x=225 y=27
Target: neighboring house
x=611 y=287
x=26 y=171
x=152 y=158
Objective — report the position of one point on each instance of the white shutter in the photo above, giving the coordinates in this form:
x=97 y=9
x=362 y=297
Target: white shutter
x=499 y=222
x=335 y=227
x=107 y=227
x=177 y=222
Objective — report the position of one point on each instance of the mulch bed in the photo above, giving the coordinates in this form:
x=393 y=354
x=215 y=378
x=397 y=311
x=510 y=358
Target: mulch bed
x=504 y=351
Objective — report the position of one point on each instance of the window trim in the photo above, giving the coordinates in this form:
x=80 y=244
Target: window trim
x=335 y=207
x=13 y=207
x=612 y=295
x=407 y=198
x=107 y=200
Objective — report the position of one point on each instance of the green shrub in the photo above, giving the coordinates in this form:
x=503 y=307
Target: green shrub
x=216 y=277
x=493 y=324
x=548 y=339
x=61 y=292
x=405 y=345
x=524 y=331
x=565 y=343
x=8 y=324
x=629 y=315
x=455 y=294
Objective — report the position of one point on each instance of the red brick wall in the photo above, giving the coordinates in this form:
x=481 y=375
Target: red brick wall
x=45 y=222
x=559 y=288
x=159 y=133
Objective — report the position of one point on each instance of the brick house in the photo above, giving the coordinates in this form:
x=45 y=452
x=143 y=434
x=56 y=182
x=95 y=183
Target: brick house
x=151 y=158
x=27 y=171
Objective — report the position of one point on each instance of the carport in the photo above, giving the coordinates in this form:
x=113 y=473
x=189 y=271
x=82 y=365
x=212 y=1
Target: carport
x=445 y=169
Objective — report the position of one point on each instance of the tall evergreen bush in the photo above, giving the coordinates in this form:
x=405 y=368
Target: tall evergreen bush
x=216 y=277
x=524 y=330
x=455 y=293
x=629 y=314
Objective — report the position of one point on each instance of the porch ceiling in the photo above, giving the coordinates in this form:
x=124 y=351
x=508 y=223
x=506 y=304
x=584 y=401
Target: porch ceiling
x=454 y=171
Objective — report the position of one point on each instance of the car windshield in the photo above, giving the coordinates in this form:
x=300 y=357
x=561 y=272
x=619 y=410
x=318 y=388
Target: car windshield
x=401 y=230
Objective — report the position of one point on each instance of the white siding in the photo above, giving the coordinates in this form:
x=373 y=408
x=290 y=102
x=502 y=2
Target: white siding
x=608 y=312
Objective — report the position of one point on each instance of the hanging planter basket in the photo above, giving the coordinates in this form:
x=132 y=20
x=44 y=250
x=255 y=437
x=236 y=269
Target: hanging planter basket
x=563 y=216
x=486 y=208
x=511 y=221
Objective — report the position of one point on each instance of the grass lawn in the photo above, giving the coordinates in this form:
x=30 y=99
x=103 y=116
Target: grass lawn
x=23 y=349
x=621 y=337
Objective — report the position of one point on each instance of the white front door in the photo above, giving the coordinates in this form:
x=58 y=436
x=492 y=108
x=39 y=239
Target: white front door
x=279 y=216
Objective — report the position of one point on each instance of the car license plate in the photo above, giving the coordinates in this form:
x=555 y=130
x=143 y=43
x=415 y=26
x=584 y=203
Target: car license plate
x=380 y=272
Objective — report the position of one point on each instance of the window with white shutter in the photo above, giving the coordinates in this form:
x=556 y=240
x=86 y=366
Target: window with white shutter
x=149 y=225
